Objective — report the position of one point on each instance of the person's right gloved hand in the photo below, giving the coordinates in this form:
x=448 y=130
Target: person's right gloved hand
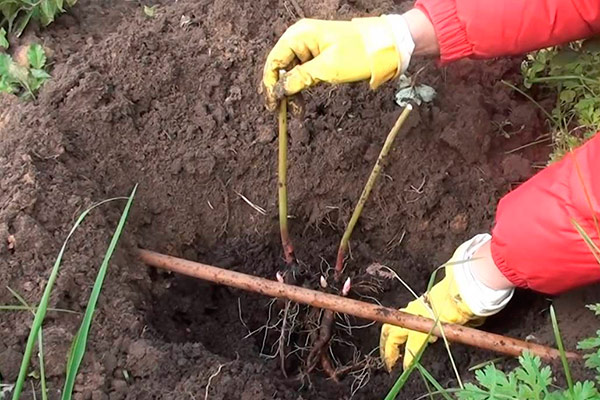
x=313 y=51
x=460 y=298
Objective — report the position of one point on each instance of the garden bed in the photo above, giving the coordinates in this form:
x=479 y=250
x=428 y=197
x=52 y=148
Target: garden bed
x=171 y=103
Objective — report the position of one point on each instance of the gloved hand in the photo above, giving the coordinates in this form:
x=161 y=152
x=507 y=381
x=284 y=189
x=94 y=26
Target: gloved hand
x=378 y=48
x=459 y=298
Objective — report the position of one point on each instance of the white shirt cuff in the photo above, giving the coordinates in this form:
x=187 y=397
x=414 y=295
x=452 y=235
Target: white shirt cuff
x=480 y=298
x=404 y=41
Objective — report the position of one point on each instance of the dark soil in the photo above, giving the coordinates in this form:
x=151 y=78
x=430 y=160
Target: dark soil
x=173 y=106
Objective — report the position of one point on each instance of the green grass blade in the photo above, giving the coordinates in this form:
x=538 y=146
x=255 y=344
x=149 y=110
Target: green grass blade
x=80 y=341
x=401 y=381
x=433 y=277
x=427 y=387
x=33 y=309
x=516 y=89
x=42 y=365
x=433 y=316
x=40 y=313
x=433 y=381
x=19 y=298
x=561 y=349
x=447 y=391
x=27 y=307
x=588 y=240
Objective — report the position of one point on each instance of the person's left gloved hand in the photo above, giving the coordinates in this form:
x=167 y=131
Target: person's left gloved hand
x=459 y=298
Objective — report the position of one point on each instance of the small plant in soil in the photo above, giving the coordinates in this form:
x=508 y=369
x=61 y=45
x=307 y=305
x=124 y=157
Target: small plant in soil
x=24 y=72
x=15 y=15
x=592 y=359
x=25 y=76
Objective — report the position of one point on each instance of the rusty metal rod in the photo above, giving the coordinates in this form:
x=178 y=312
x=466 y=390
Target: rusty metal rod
x=373 y=312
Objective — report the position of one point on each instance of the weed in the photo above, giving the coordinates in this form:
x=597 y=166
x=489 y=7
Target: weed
x=403 y=378
x=24 y=79
x=572 y=71
x=16 y=14
x=79 y=342
x=592 y=359
x=530 y=380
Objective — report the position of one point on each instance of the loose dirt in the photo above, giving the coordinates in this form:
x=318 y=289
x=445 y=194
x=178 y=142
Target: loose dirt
x=171 y=103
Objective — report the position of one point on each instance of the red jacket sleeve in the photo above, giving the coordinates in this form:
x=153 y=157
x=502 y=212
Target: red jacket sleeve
x=534 y=241
x=492 y=28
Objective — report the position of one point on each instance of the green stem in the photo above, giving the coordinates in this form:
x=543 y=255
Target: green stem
x=513 y=87
x=40 y=345
x=288 y=249
x=564 y=77
x=561 y=349
x=42 y=366
x=339 y=265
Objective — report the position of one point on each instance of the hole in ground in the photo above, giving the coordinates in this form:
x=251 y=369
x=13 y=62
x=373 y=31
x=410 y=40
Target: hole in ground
x=186 y=309
x=190 y=310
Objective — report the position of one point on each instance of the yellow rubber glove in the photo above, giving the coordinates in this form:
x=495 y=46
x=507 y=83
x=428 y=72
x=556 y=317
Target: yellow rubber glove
x=334 y=52
x=443 y=302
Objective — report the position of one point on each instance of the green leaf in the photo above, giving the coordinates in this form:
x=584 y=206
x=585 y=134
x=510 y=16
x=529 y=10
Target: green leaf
x=35 y=84
x=3 y=40
x=595 y=308
x=592 y=360
x=48 y=9
x=36 y=56
x=590 y=343
x=6 y=86
x=567 y=96
x=499 y=382
x=71 y=3
x=472 y=392
x=60 y=5
x=22 y=23
x=150 y=11
x=18 y=73
x=584 y=391
x=80 y=341
x=40 y=74
x=5 y=64
x=564 y=57
x=532 y=373
x=10 y=12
